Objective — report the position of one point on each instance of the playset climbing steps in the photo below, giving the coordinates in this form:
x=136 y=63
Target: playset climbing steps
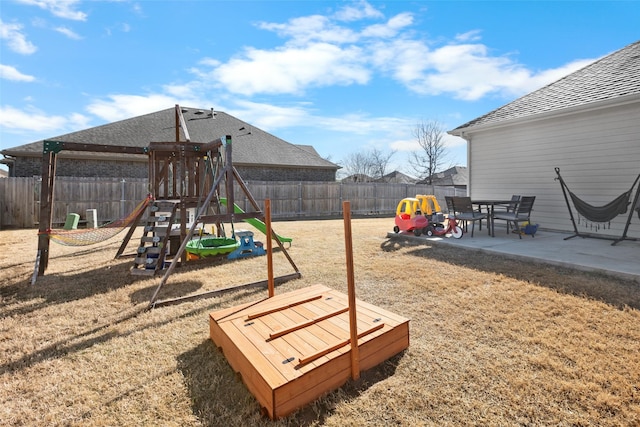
x=154 y=243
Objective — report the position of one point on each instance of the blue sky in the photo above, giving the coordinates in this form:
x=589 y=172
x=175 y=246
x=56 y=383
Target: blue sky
x=343 y=76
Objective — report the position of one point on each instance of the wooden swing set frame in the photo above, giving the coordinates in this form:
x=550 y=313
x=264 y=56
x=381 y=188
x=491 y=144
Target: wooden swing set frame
x=177 y=173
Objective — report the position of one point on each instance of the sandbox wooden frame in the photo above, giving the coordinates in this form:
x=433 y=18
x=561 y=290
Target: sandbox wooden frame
x=292 y=348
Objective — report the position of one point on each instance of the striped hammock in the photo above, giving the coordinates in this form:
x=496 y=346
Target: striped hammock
x=90 y=236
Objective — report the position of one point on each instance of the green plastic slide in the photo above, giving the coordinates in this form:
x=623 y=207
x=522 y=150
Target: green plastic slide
x=259 y=225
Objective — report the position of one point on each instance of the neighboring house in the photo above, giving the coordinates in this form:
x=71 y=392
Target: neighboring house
x=587 y=124
x=257 y=155
x=397 y=177
x=455 y=176
x=394 y=177
x=358 y=177
x=3 y=173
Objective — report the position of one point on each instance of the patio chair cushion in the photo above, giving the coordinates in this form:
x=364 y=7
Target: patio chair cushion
x=471 y=216
x=511 y=216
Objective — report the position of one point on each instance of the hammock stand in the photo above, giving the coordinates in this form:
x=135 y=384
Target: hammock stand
x=602 y=214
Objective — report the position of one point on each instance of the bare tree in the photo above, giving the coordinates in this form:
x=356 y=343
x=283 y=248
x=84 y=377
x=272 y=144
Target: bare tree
x=367 y=164
x=380 y=162
x=357 y=165
x=426 y=161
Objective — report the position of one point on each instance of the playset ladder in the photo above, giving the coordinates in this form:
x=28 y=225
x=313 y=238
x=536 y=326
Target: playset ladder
x=152 y=252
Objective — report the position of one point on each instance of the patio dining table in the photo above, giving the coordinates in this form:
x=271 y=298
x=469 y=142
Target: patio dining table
x=490 y=204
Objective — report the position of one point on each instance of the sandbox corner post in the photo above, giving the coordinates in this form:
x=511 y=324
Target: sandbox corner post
x=269 y=234
x=353 y=325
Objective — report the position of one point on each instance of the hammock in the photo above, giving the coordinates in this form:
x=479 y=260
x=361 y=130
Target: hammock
x=90 y=236
x=605 y=213
x=601 y=214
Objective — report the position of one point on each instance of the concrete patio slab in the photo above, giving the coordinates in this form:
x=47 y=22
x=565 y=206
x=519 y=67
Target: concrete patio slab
x=587 y=254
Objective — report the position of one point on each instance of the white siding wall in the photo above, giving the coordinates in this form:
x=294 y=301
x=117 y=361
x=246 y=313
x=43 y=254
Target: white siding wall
x=598 y=154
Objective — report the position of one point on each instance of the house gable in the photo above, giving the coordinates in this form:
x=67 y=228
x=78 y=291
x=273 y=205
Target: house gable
x=613 y=77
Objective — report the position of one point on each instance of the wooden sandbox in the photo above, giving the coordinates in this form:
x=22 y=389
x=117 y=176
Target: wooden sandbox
x=292 y=348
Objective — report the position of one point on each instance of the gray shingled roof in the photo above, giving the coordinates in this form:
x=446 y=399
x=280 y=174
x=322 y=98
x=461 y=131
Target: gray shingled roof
x=251 y=146
x=615 y=75
x=456 y=176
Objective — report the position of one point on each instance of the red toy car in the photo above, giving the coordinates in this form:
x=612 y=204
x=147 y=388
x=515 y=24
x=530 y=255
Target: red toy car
x=409 y=217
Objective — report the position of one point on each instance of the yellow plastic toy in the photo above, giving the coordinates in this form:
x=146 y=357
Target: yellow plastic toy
x=425 y=206
x=430 y=208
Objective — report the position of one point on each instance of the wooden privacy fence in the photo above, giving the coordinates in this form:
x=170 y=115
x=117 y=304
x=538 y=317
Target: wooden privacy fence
x=115 y=198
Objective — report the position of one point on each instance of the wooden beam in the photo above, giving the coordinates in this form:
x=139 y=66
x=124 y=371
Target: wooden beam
x=46 y=209
x=324 y=352
x=183 y=125
x=353 y=324
x=267 y=208
x=282 y=307
x=57 y=146
x=302 y=325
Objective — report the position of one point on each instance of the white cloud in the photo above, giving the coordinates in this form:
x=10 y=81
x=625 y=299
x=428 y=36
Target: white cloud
x=321 y=51
x=60 y=8
x=466 y=71
x=119 y=107
x=308 y=29
x=271 y=118
x=407 y=145
x=410 y=143
x=469 y=36
x=69 y=33
x=33 y=120
x=545 y=77
x=8 y=72
x=122 y=27
x=390 y=28
x=15 y=39
x=292 y=70
x=359 y=10
x=267 y=116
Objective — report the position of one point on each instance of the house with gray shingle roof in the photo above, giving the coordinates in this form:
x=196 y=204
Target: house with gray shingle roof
x=397 y=177
x=587 y=124
x=455 y=176
x=257 y=155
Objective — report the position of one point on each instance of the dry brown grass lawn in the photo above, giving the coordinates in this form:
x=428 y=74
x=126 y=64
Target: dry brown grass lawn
x=493 y=341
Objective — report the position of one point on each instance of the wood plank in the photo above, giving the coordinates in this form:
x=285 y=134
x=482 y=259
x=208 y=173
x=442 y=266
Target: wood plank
x=282 y=307
x=238 y=362
x=318 y=382
x=343 y=343
x=273 y=354
x=253 y=353
x=329 y=329
x=307 y=323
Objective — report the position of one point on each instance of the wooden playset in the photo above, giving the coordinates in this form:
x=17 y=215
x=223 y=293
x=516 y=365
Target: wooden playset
x=183 y=176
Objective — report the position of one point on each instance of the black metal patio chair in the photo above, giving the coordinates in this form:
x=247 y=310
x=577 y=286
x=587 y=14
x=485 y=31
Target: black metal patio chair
x=521 y=214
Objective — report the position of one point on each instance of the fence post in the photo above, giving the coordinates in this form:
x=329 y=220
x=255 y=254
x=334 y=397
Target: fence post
x=375 y=197
x=122 y=200
x=299 y=198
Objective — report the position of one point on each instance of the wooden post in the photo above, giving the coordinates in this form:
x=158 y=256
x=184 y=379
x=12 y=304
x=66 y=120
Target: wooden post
x=267 y=221
x=46 y=208
x=353 y=325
